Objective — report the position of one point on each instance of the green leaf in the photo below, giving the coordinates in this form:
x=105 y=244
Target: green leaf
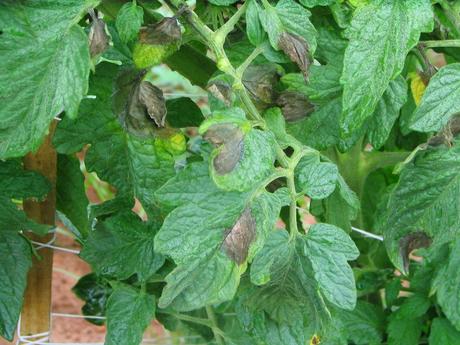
x=94 y=291
x=288 y=16
x=222 y=2
x=123 y=245
x=387 y=112
x=328 y=249
x=321 y=129
x=404 y=331
x=381 y=34
x=363 y=325
x=129 y=312
x=129 y=21
x=15 y=261
x=254 y=29
x=313 y=3
x=135 y=166
x=183 y=112
x=13 y=219
x=15 y=182
x=49 y=77
x=288 y=294
x=448 y=286
x=434 y=178
x=70 y=194
x=443 y=333
x=195 y=236
x=316 y=179
x=440 y=100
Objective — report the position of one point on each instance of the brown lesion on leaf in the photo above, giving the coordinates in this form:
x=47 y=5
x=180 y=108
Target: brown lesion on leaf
x=229 y=139
x=221 y=90
x=294 y=105
x=411 y=242
x=296 y=48
x=238 y=238
x=151 y=97
x=98 y=37
x=166 y=31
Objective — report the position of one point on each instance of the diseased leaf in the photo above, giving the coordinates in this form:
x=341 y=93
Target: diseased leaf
x=288 y=17
x=35 y=90
x=193 y=235
x=123 y=245
x=238 y=238
x=294 y=105
x=133 y=165
x=440 y=100
x=98 y=38
x=129 y=21
x=381 y=34
x=129 y=312
x=427 y=186
x=152 y=98
x=297 y=49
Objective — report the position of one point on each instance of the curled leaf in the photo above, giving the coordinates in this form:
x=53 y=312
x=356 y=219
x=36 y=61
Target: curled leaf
x=151 y=97
x=139 y=105
x=294 y=105
x=229 y=139
x=259 y=81
x=409 y=243
x=164 y=32
x=238 y=238
x=98 y=38
x=296 y=48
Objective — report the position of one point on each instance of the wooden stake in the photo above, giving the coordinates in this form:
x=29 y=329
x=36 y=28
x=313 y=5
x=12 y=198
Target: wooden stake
x=35 y=317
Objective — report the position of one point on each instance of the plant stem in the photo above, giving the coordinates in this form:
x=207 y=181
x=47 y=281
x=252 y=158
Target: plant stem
x=224 y=30
x=441 y=44
x=212 y=318
x=293 y=230
x=189 y=318
x=255 y=53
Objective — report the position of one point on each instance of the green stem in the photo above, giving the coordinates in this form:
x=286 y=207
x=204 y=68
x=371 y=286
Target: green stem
x=441 y=44
x=255 y=53
x=189 y=318
x=293 y=230
x=221 y=34
x=452 y=15
x=212 y=318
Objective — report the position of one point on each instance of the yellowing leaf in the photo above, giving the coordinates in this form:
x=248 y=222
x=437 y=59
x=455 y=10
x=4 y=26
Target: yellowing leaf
x=417 y=87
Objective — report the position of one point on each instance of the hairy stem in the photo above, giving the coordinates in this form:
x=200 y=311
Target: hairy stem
x=293 y=230
x=212 y=318
x=224 y=30
x=255 y=53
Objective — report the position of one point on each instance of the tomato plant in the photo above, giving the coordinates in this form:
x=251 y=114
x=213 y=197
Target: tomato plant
x=314 y=199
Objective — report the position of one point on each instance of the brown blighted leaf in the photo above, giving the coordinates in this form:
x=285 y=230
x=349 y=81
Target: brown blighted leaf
x=447 y=134
x=230 y=141
x=294 y=105
x=164 y=32
x=238 y=239
x=98 y=38
x=296 y=48
x=152 y=98
x=131 y=113
x=221 y=90
x=259 y=81
x=409 y=243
